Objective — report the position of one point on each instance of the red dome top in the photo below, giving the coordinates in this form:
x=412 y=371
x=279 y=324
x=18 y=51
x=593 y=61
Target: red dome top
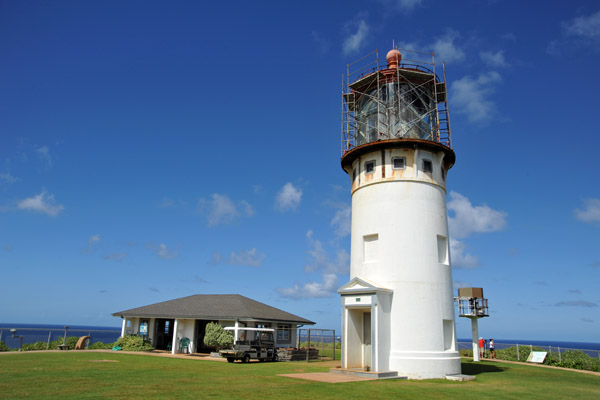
x=393 y=58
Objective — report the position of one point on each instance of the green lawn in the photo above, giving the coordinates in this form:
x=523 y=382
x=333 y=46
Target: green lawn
x=80 y=375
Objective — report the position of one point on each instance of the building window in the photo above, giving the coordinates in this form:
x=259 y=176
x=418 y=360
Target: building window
x=398 y=163
x=283 y=333
x=427 y=166
x=354 y=174
x=370 y=167
x=443 y=171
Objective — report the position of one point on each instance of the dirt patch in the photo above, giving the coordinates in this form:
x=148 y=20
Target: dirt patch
x=327 y=377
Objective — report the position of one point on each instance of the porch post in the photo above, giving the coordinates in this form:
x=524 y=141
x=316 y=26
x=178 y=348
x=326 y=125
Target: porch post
x=123 y=327
x=174 y=343
x=235 y=331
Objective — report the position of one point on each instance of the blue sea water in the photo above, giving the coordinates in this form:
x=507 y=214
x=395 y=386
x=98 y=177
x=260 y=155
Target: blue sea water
x=39 y=333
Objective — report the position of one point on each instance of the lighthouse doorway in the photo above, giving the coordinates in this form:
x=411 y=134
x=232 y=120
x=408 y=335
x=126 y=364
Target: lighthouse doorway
x=359 y=348
x=367 y=340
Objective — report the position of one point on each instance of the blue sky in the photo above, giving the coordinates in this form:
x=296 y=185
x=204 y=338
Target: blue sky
x=154 y=150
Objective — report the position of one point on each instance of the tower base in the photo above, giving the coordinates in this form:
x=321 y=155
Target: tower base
x=425 y=365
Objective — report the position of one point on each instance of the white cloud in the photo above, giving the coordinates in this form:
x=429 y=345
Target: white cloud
x=41 y=203
x=44 y=153
x=162 y=251
x=322 y=43
x=222 y=210
x=8 y=178
x=94 y=239
x=591 y=211
x=408 y=4
x=472 y=97
x=446 y=49
x=319 y=261
x=251 y=258
x=460 y=259
x=584 y=26
x=115 y=256
x=342 y=220
x=355 y=41
x=312 y=289
x=468 y=219
x=495 y=60
x=288 y=198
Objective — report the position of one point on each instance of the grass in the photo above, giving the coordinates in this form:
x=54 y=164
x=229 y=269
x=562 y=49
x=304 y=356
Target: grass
x=81 y=375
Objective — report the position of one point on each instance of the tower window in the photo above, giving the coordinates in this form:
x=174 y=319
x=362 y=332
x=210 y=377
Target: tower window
x=399 y=163
x=443 y=171
x=427 y=166
x=370 y=167
x=354 y=174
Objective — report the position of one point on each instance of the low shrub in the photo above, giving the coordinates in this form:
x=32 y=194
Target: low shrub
x=100 y=346
x=3 y=346
x=133 y=343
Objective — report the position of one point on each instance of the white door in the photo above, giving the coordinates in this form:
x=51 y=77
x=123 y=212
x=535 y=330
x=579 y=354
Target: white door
x=367 y=340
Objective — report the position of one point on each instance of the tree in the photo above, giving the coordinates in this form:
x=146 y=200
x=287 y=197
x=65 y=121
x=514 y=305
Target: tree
x=216 y=336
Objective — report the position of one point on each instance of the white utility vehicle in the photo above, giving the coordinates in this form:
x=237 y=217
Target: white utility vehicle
x=251 y=344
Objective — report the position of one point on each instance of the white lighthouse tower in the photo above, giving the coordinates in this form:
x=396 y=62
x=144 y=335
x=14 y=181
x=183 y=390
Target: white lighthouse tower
x=398 y=308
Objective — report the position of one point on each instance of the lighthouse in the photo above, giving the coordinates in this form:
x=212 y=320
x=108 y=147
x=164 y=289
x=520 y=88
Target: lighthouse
x=398 y=307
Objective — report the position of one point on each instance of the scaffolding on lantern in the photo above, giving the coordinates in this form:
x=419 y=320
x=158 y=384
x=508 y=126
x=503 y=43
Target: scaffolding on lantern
x=405 y=100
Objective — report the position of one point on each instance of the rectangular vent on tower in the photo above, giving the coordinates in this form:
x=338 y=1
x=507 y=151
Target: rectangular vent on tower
x=442 y=246
x=370 y=248
x=448 y=327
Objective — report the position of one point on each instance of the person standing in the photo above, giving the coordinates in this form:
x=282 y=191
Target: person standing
x=481 y=348
x=492 y=351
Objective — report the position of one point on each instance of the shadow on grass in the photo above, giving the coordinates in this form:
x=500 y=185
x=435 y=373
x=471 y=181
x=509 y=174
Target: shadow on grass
x=479 y=368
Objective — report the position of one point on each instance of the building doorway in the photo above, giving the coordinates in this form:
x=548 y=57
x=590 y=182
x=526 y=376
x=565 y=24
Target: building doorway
x=163 y=333
x=359 y=338
x=367 y=340
x=200 y=332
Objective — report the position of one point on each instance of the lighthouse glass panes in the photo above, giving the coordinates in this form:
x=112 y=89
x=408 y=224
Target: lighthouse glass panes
x=396 y=110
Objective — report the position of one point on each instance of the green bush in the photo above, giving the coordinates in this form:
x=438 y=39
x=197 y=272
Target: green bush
x=573 y=359
x=100 y=346
x=216 y=336
x=133 y=343
x=3 y=346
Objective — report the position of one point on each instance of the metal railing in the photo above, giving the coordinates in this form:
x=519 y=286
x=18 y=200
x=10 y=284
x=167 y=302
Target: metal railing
x=529 y=347
x=16 y=337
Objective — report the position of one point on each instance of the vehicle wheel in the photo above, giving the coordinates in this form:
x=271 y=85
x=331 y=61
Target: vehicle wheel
x=230 y=359
x=246 y=358
x=261 y=360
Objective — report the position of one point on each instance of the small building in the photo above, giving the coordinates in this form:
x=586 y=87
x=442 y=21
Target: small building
x=166 y=323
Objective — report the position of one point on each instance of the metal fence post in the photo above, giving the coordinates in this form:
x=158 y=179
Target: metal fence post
x=49 y=337
x=334 y=345
x=559 y=357
x=518 y=355
x=308 y=346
